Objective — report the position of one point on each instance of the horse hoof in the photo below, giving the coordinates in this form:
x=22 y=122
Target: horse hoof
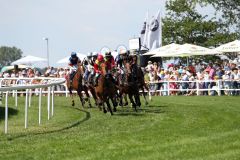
x=105 y=111
x=126 y=104
x=114 y=110
x=73 y=104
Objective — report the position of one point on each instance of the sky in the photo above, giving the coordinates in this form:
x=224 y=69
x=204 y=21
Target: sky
x=72 y=25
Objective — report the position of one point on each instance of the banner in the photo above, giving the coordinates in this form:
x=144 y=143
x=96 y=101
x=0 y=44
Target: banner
x=144 y=34
x=154 y=36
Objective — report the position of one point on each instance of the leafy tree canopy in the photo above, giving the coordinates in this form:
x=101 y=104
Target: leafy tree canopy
x=9 y=54
x=184 y=24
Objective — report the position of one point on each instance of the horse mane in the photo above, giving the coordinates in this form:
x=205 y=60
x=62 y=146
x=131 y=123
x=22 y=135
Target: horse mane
x=103 y=68
x=80 y=69
x=128 y=68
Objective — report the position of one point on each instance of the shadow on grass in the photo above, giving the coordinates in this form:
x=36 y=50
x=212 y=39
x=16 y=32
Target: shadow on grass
x=86 y=117
x=11 y=112
x=127 y=111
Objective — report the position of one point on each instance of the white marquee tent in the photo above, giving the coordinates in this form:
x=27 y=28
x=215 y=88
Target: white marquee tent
x=185 y=50
x=30 y=60
x=229 y=47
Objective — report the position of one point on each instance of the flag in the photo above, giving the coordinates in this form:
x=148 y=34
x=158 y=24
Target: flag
x=154 y=37
x=144 y=34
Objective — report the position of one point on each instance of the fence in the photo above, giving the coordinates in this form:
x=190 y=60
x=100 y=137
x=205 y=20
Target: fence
x=162 y=87
x=231 y=87
x=28 y=87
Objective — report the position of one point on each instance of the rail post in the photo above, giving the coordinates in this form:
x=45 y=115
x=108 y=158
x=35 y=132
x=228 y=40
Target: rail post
x=40 y=106
x=26 y=109
x=6 y=113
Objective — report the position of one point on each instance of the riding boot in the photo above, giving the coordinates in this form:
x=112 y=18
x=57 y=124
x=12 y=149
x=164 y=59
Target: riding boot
x=72 y=76
x=96 y=82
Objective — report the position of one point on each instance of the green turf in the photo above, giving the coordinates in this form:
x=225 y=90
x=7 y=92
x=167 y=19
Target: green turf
x=206 y=128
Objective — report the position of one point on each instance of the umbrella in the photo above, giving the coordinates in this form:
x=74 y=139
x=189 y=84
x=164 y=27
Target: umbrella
x=163 y=48
x=29 y=60
x=8 y=68
x=66 y=59
x=229 y=47
x=185 y=50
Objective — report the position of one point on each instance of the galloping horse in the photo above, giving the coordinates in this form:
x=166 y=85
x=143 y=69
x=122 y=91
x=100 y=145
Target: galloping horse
x=128 y=86
x=106 y=90
x=77 y=85
x=142 y=85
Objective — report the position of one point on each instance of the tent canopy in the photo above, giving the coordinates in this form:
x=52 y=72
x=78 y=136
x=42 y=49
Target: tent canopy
x=162 y=49
x=8 y=68
x=185 y=50
x=29 y=60
x=229 y=47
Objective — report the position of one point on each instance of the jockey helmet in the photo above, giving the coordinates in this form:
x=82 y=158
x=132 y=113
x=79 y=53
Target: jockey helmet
x=108 y=54
x=94 y=54
x=100 y=58
x=74 y=55
x=123 y=52
x=89 y=55
x=133 y=54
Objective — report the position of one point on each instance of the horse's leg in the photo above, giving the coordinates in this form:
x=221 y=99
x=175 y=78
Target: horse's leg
x=81 y=97
x=144 y=95
x=137 y=99
x=126 y=100
x=109 y=106
x=71 y=95
x=93 y=94
x=130 y=95
x=114 y=102
x=120 y=98
x=88 y=97
x=104 y=109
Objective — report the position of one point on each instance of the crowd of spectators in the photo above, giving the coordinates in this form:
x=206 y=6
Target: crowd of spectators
x=34 y=73
x=187 y=75
x=180 y=79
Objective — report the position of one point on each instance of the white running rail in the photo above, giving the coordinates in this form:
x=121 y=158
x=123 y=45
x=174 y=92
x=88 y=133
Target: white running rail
x=28 y=87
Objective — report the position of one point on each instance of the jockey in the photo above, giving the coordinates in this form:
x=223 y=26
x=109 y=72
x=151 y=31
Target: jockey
x=134 y=66
x=110 y=64
x=73 y=63
x=88 y=66
x=123 y=58
x=97 y=68
x=109 y=61
x=94 y=57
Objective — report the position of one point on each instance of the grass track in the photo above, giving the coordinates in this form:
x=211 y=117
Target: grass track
x=169 y=128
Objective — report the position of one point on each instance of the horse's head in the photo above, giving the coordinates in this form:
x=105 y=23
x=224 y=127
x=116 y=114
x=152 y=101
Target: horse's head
x=103 y=69
x=80 y=68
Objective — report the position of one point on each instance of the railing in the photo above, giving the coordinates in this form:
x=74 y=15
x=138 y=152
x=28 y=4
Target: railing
x=28 y=87
x=167 y=87
x=6 y=82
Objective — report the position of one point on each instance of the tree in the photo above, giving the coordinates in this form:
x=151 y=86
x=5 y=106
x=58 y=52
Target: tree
x=183 y=24
x=229 y=11
x=9 y=54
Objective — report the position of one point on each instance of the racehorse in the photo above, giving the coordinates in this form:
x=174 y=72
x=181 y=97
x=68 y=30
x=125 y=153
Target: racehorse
x=127 y=85
x=106 y=90
x=77 y=85
x=142 y=85
x=90 y=86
